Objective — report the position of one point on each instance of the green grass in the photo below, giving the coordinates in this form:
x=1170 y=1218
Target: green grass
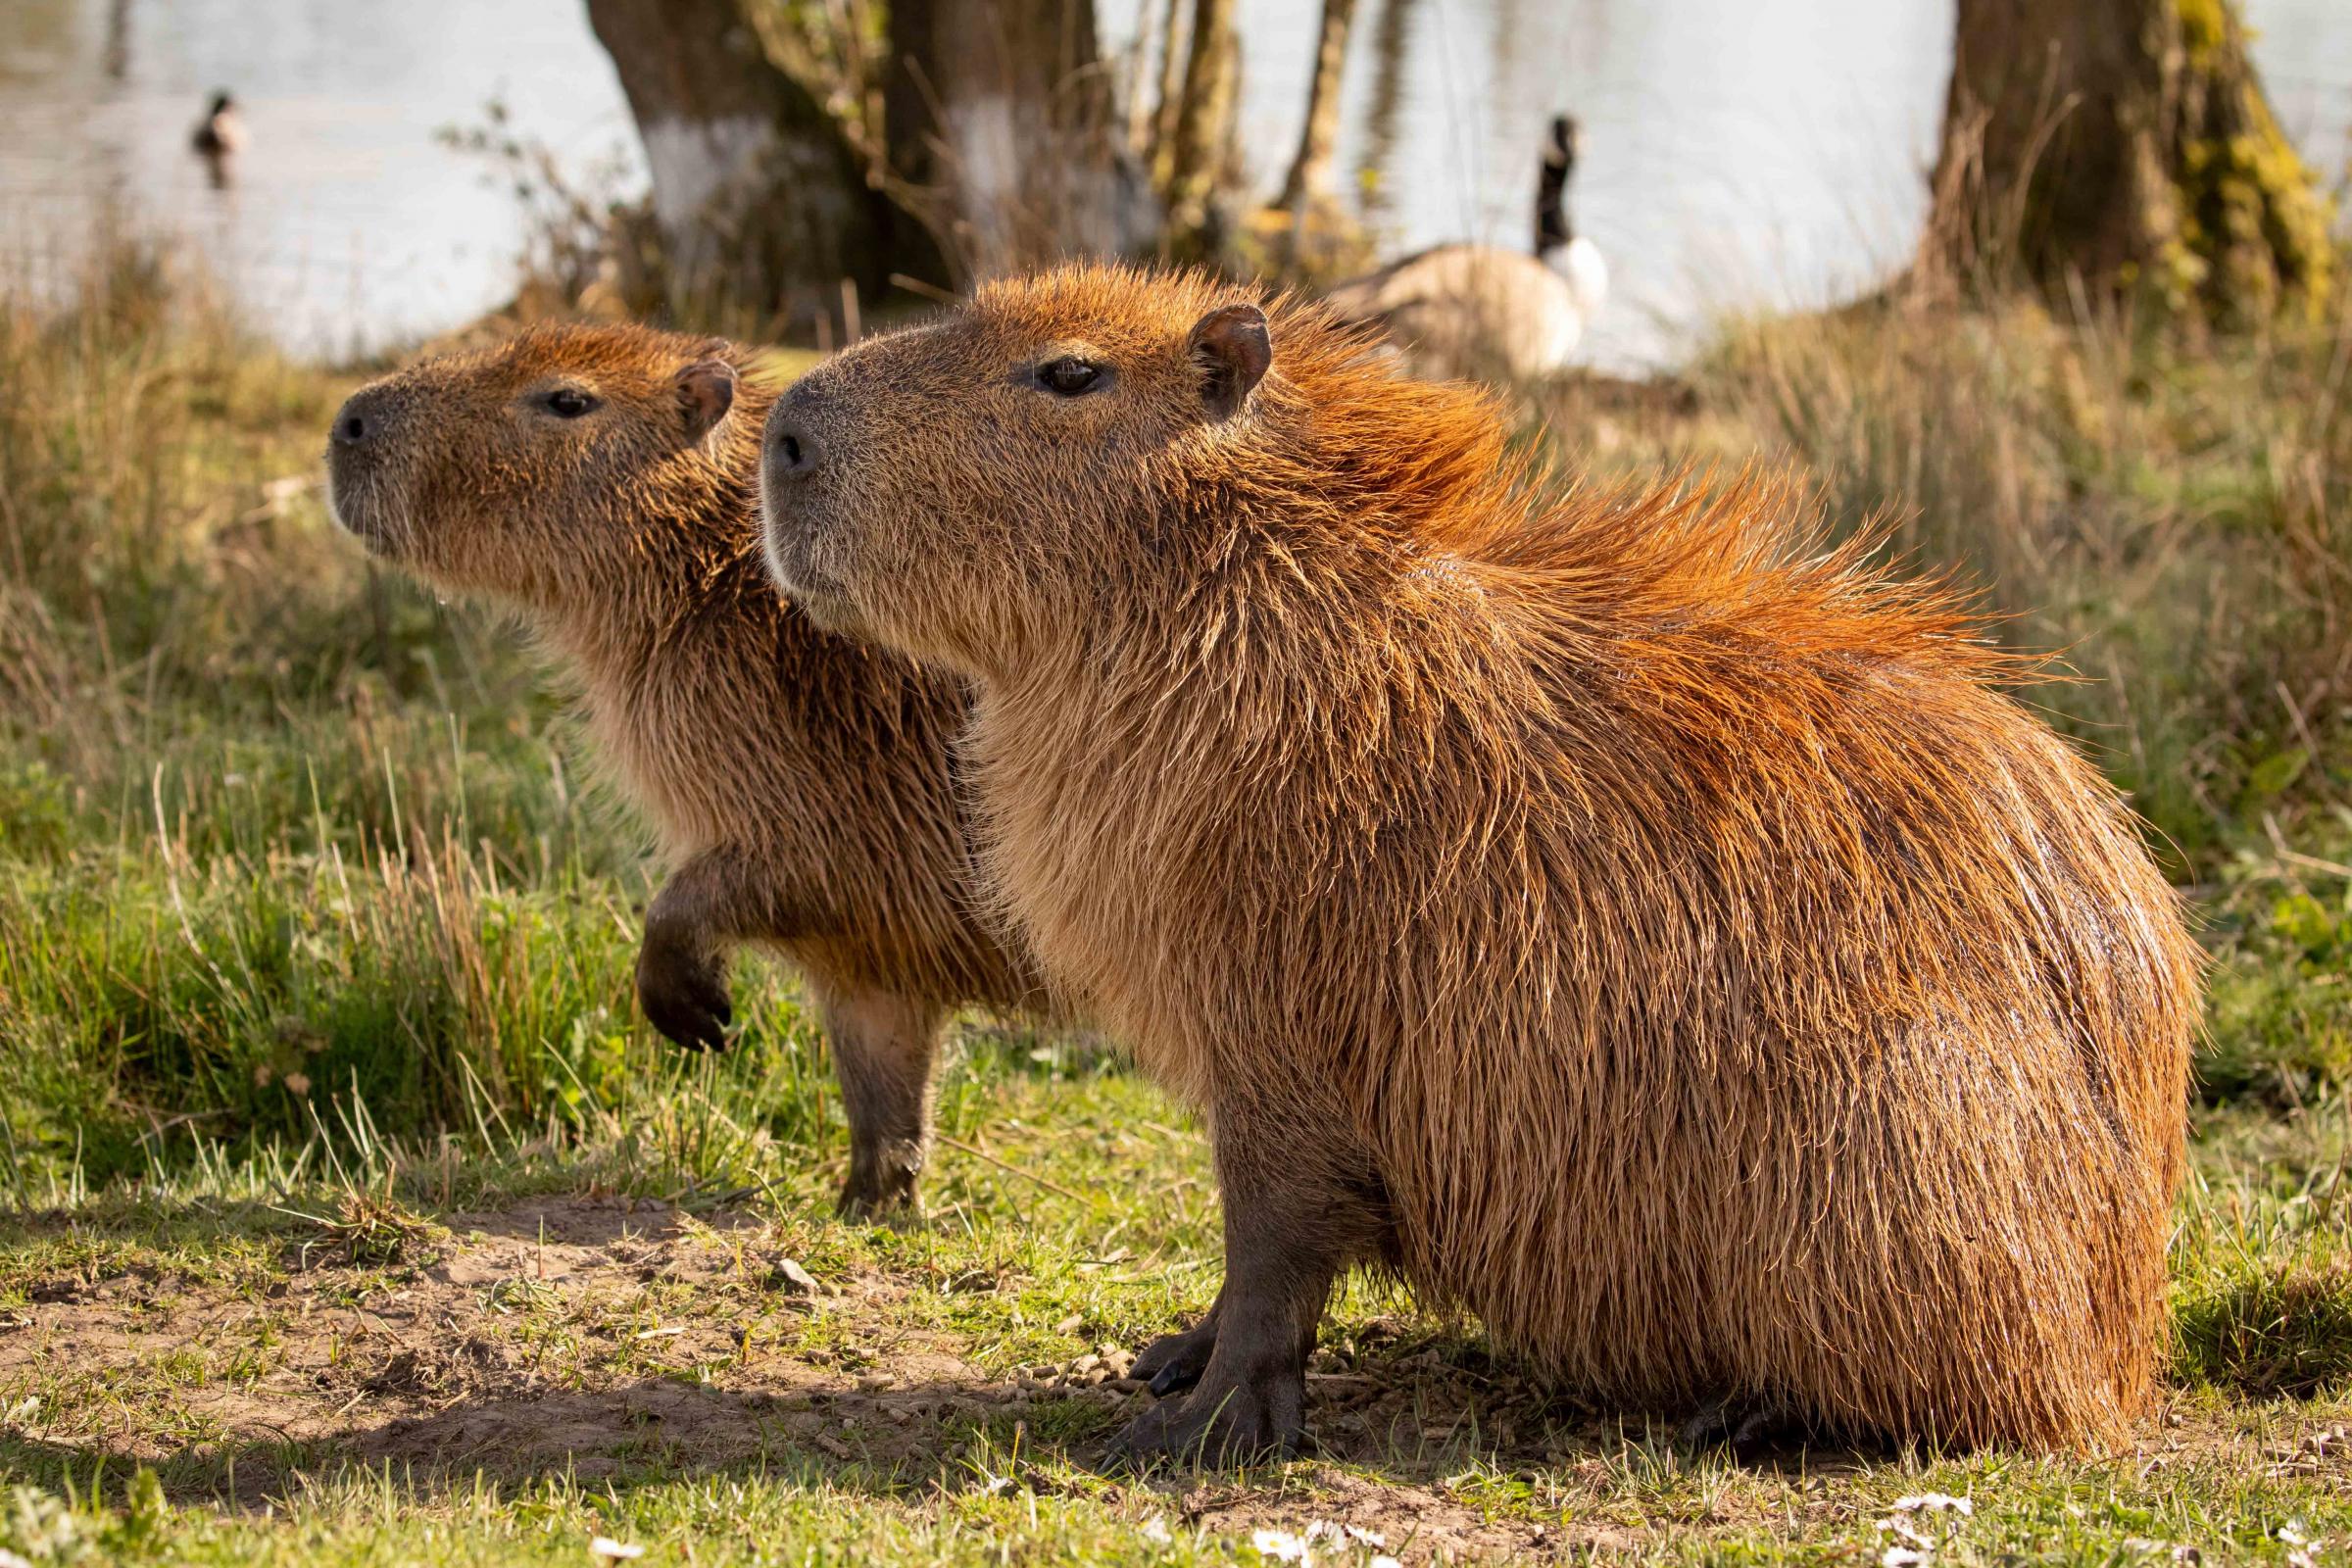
x=1019 y=1277
x=352 y=1215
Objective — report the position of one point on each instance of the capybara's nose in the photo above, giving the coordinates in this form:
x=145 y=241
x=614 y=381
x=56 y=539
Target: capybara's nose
x=791 y=448
x=359 y=419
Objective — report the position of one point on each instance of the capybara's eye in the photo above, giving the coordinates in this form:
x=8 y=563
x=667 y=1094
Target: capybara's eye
x=1069 y=376
x=568 y=403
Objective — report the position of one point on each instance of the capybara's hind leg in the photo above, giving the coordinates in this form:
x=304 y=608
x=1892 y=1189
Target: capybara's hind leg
x=1300 y=1207
x=1174 y=1362
x=883 y=1046
x=1748 y=1426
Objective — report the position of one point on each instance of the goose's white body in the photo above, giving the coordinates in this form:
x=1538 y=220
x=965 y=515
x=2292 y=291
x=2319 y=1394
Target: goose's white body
x=1482 y=310
x=1580 y=262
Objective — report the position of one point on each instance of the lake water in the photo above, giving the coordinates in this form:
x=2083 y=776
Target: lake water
x=1736 y=152
x=347 y=225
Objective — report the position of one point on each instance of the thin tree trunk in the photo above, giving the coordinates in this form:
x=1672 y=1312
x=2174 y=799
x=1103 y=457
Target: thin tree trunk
x=1004 y=129
x=2126 y=144
x=1309 y=178
x=1389 y=36
x=757 y=197
x=1202 y=119
x=1141 y=105
x=1170 y=98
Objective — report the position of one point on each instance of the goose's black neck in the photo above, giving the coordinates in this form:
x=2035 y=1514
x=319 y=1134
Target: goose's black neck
x=1552 y=230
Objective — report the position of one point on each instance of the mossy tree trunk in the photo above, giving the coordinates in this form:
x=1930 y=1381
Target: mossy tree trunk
x=1391 y=36
x=1005 y=133
x=2125 y=145
x=1201 y=130
x=760 y=200
x=1174 y=31
x=1309 y=178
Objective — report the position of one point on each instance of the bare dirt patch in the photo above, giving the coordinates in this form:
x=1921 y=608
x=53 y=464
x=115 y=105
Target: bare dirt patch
x=608 y=1338
x=577 y=1330
x=581 y=1332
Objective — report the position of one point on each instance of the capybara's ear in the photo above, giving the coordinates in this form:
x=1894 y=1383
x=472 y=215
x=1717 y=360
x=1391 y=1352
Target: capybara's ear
x=1231 y=346
x=706 y=392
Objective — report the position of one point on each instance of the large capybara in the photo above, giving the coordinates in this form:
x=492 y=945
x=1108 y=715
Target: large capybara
x=601 y=483
x=1618 y=912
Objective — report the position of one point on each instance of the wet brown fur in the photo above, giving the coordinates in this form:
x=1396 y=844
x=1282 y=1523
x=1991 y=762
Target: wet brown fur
x=797 y=783
x=1635 y=919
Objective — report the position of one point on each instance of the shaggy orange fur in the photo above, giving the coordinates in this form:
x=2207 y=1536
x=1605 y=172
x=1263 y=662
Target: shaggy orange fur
x=601 y=482
x=1631 y=919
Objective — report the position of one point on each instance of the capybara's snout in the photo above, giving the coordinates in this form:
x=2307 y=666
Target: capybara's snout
x=794 y=444
x=363 y=424
x=357 y=444
x=797 y=446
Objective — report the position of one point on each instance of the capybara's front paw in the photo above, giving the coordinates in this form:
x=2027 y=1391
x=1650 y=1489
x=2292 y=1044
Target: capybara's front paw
x=881 y=1189
x=1218 y=1425
x=683 y=992
x=1174 y=1362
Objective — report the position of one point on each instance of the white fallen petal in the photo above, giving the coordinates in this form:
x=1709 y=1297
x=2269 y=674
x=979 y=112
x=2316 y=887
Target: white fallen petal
x=1901 y=1557
x=1156 y=1529
x=606 y=1549
x=1934 y=1502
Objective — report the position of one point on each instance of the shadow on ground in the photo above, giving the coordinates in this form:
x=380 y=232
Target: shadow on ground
x=620 y=1343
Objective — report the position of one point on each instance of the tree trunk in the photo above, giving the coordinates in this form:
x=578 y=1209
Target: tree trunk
x=757 y=194
x=1004 y=133
x=1390 y=37
x=2126 y=144
x=1170 y=98
x=1196 y=153
x=1309 y=178
x=1141 y=105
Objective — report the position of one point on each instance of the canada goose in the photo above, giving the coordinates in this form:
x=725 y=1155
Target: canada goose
x=1470 y=310
x=222 y=131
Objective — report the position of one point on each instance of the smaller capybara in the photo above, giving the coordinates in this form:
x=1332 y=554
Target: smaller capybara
x=602 y=483
x=1620 y=914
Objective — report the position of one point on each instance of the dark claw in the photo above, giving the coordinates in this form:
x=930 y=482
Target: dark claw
x=1174 y=1362
x=1175 y=1378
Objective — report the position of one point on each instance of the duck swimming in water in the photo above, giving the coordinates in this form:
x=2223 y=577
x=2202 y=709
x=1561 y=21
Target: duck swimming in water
x=1467 y=309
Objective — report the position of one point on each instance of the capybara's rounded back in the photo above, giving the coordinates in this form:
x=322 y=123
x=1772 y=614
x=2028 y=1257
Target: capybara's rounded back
x=1641 y=922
